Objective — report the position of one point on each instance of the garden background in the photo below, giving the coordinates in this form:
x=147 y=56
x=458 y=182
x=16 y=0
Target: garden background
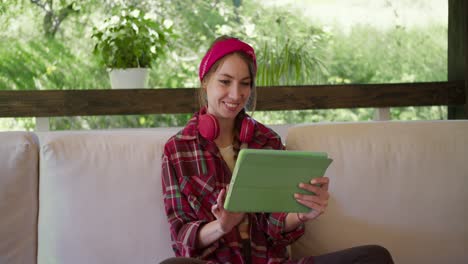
x=297 y=43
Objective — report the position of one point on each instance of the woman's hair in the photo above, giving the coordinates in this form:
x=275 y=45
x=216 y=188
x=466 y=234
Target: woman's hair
x=251 y=102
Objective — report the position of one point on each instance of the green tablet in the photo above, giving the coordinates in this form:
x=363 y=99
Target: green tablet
x=266 y=180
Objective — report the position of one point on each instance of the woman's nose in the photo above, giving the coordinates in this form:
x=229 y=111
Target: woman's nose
x=235 y=92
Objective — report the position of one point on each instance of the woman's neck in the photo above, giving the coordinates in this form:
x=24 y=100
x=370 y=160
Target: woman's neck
x=226 y=133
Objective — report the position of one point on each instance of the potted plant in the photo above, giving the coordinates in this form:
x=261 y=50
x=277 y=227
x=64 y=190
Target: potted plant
x=128 y=43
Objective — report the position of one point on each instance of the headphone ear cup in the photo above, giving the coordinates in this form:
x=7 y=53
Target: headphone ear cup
x=208 y=126
x=247 y=130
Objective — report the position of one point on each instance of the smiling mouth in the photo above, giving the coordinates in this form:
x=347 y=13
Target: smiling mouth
x=231 y=106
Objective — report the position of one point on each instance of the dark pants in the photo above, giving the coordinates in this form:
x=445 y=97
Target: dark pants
x=356 y=255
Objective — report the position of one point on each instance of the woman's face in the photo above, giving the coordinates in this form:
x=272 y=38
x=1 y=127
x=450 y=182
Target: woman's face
x=228 y=88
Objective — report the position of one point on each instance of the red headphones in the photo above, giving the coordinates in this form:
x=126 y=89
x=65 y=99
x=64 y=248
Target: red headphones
x=209 y=128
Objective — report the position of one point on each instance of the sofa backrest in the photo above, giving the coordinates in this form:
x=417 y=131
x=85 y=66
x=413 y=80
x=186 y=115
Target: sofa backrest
x=101 y=197
x=398 y=184
x=18 y=197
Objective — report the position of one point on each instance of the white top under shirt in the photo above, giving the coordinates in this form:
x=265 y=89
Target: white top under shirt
x=228 y=155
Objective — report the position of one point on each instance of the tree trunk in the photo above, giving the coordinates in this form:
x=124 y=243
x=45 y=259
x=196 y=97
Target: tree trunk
x=52 y=18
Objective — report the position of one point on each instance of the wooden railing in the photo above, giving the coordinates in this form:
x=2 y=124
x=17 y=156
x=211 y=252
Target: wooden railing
x=49 y=103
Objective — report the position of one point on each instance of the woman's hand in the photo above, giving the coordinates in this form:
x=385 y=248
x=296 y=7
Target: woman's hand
x=318 y=202
x=224 y=223
x=227 y=220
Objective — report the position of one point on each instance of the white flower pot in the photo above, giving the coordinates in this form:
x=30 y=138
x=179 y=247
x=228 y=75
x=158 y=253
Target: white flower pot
x=131 y=78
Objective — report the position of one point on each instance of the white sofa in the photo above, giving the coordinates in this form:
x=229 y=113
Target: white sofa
x=95 y=196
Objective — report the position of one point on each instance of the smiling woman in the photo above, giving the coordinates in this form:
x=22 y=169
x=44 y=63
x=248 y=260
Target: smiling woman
x=227 y=84
x=197 y=167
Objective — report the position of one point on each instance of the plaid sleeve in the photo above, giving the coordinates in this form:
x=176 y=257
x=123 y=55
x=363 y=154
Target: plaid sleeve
x=272 y=140
x=273 y=225
x=184 y=223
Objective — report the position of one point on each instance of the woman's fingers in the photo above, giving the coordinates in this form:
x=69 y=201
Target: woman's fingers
x=319 y=186
x=318 y=201
x=313 y=205
x=214 y=209
x=311 y=188
x=220 y=198
x=322 y=182
x=311 y=198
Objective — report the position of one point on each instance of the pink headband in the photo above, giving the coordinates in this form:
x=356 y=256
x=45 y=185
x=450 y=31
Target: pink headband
x=221 y=49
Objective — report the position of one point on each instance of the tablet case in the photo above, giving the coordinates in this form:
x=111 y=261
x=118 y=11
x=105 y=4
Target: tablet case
x=266 y=180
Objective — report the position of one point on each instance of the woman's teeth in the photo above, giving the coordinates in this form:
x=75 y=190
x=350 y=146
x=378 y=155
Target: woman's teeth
x=231 y=105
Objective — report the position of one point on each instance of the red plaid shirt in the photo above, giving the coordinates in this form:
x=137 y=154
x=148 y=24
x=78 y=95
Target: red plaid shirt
x=193 y=174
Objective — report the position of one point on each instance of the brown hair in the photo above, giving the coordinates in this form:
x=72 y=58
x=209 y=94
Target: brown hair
x=251 y=102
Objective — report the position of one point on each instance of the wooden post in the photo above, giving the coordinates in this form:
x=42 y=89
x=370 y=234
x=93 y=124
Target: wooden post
x=466 y=61
x=42 y=124
x=457 y=49
x=382 y=114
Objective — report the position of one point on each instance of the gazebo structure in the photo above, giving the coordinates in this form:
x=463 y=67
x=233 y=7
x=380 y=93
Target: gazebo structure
x=97 y=196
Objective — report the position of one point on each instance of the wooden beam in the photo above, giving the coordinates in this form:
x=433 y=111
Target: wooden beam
x=360 y=95
x=457 y=49
x=51 y=103
x=466 y=60
x=96 y=102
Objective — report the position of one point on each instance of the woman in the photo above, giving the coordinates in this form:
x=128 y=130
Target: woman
x=197 y=166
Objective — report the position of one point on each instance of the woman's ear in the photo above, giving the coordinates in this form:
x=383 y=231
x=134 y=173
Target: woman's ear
x=203 y=95
x=203 y=84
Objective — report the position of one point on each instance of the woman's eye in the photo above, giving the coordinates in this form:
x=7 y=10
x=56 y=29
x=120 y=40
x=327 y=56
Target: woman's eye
x=246 y=83
x=224 y=81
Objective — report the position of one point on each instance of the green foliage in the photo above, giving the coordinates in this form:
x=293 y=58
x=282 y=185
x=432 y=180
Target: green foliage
x=3 y=7
x=130 y=39
x=290 y=51
x=397 y=55
x=46 y=64
x=286 y=64
x=18 y=123
x=197 y=23
x=126 y=121
x=312 y=116
x=283 y=60
x=367 y=55
x=419 y=113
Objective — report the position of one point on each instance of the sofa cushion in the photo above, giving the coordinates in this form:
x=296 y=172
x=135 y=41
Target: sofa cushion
x=398 y=184
x=18 y=197
x=101 y=197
